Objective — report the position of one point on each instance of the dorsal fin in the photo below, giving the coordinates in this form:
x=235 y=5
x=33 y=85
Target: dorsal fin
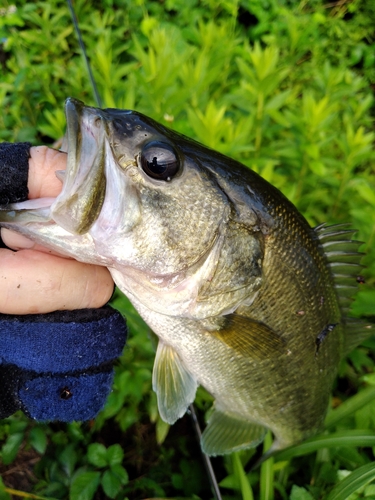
x=344 y=261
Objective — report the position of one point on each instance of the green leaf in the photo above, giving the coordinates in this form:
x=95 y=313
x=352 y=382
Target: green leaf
x=68 y=459
x=299 y=493
x=11 y=447
x=318 y=168
x=115 y=455
x=38 y=439
x=111 y=484
x=121 y=473
x=18 y=426
x=148 y=24
x=84 y=485
x=177 y=481
x=97 y=455
x=353 y=482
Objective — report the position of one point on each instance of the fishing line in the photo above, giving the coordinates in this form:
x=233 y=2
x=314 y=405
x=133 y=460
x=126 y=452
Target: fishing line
x=206 y=458
x=84 y=54
x=191 y=411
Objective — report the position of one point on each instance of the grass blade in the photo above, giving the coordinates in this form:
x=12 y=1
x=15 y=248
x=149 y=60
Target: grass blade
x=266 y=472
x=350 y=406
x=344 y=438
x=247 y=493
x=360 y=477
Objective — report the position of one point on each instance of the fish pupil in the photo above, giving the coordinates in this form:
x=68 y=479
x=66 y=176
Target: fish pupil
x=155 y=167
x=159 y=161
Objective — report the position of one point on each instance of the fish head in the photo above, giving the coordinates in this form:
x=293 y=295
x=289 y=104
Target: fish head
x=144 y=198
x=138 y=189
x=150 y=204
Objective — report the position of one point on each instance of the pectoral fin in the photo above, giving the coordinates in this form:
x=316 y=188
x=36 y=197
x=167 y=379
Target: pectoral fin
x=226 y=433
x=250 y=338
x=174 y=385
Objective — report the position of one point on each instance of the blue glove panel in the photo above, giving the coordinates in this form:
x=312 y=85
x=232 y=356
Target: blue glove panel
x=66 y=398
x=59 y=366
x=61 y=342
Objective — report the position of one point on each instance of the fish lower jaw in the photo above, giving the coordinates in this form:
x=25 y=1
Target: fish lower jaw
x=37 y=203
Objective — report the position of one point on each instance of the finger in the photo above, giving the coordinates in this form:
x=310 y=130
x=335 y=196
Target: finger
x=34 y=282
x=17 y=241
x=43 y=164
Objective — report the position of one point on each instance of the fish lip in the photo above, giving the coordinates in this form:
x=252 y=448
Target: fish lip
x=79 y=203
x=72 y=132
x=74 y=111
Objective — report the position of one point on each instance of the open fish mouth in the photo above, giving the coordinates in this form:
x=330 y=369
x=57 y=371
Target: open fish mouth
x=78 y=205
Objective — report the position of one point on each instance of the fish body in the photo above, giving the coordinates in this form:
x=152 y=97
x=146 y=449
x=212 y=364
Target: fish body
x=245 y=297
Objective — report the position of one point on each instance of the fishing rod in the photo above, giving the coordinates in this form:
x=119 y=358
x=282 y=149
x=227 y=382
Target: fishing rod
x=191 y=411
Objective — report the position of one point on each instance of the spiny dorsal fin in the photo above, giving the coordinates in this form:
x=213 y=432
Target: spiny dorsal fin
x=344 y=262
x=226 y=433
x=175 y=387
x=250 y=338
x=335 y=232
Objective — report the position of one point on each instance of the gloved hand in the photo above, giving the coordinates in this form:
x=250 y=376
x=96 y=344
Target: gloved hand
x=58 y=365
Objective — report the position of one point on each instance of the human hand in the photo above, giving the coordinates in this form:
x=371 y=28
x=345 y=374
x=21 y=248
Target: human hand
x=35 y=280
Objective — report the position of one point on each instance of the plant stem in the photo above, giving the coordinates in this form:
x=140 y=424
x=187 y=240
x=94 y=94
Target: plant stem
x=266 y=472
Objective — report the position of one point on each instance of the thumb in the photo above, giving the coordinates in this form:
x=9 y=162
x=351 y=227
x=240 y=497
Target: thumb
x=43 y=164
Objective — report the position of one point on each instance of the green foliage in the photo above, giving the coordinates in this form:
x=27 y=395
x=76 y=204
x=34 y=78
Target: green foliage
x=353 y=483
x=267 y=473
x=284 y=86
x=298 y=493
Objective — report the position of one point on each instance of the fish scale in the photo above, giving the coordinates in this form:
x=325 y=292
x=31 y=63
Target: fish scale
x=246 y=299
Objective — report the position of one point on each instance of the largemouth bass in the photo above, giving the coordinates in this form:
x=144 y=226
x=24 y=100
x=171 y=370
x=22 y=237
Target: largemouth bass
x=245 y=297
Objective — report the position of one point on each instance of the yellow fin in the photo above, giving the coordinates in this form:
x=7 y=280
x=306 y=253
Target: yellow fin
x=174 y=386
x=226 y=433
x=250 y=338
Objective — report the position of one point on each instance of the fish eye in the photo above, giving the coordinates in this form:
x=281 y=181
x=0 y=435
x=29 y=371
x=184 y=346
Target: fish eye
x=159 y=161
